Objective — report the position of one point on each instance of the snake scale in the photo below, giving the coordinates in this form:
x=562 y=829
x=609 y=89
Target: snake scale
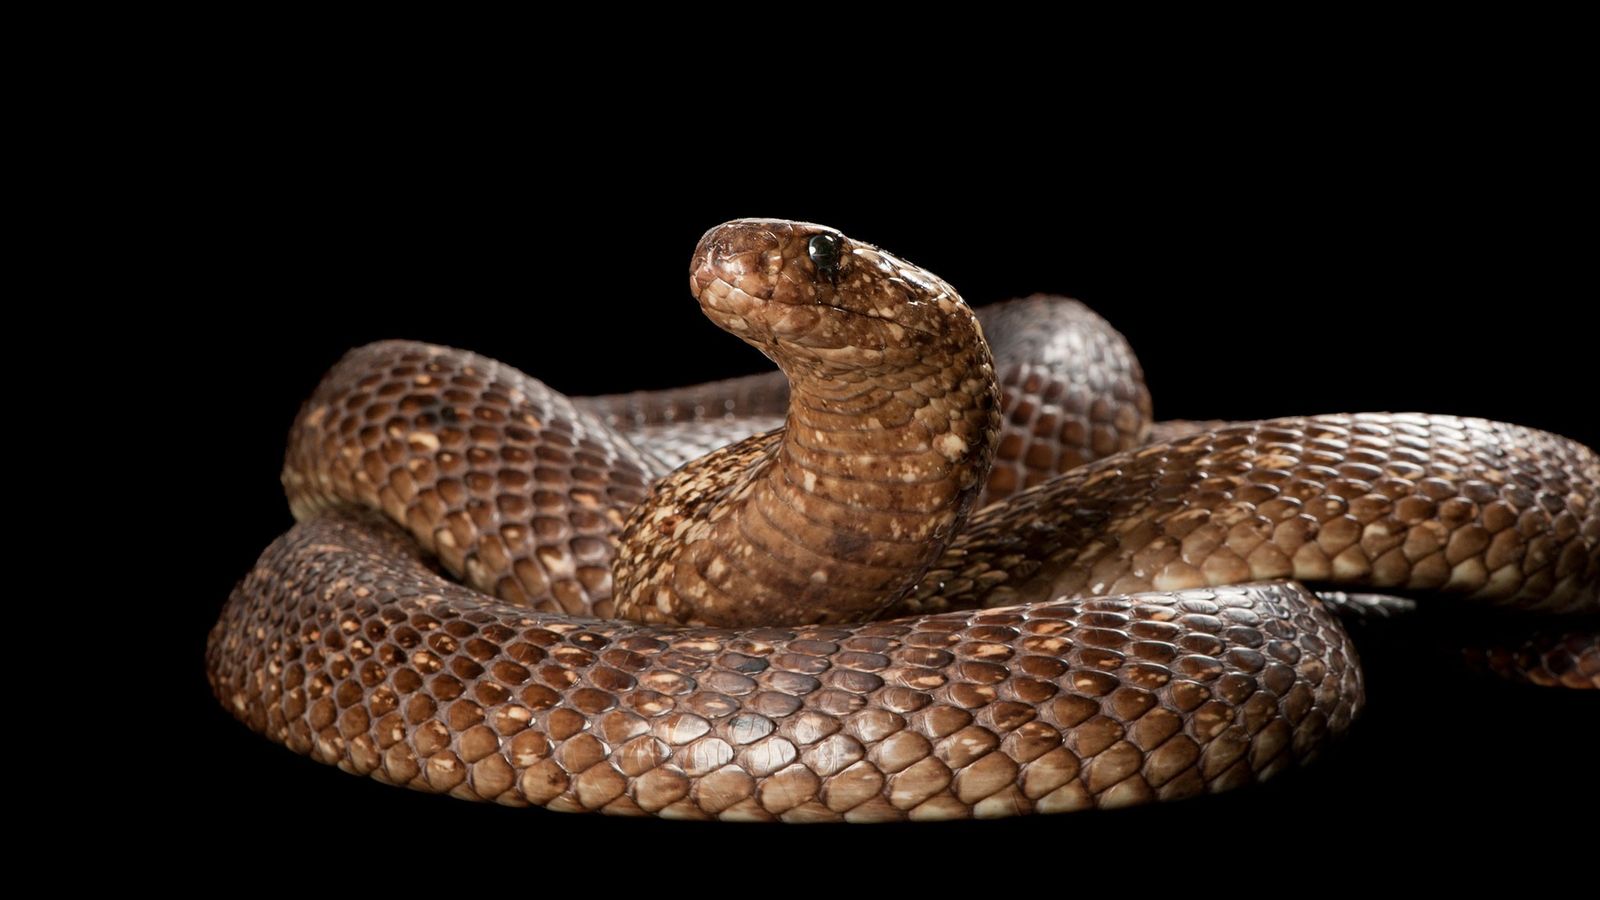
x=948 y=583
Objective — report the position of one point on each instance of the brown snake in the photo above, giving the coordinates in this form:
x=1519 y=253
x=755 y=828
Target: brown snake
x=1100 y=635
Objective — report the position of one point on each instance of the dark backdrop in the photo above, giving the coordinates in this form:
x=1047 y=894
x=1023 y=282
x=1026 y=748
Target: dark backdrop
x=1299 y=271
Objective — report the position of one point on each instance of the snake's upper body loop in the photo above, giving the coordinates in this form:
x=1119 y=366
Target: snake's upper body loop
x=1122 y=622
x=893 y=418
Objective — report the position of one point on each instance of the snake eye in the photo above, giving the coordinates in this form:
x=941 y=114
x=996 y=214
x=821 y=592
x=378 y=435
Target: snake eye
x=824 y=252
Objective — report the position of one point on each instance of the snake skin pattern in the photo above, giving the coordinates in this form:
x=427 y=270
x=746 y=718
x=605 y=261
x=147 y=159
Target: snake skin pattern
x=1085 y=643
x=1071 y=392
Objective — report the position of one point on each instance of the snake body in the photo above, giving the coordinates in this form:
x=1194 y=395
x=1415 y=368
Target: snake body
x=1121 y=622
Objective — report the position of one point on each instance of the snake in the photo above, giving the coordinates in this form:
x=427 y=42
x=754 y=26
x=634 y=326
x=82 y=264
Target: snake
x=942 y=564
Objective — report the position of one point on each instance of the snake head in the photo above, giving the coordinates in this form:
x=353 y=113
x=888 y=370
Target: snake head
x=811 y=298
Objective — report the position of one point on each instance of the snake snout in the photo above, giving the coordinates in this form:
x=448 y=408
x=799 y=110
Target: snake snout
x=767 y=259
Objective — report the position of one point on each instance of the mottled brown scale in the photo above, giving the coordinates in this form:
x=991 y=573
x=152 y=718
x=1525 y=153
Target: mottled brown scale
x=1549 y=658
x=1342 y=501
x=1071 y=392
x=528 y=508
x=965 y=714
x=1086 y=691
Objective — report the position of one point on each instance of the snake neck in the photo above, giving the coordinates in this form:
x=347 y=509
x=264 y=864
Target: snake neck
x=830 y=519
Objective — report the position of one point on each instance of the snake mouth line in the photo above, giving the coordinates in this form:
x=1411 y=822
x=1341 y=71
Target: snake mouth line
x=847 y=311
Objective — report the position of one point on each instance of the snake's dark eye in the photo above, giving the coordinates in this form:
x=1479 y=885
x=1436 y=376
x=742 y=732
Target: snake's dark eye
x=824 y=252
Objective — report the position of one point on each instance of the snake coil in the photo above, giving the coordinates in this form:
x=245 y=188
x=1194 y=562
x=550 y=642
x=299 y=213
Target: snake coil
x=951 y=584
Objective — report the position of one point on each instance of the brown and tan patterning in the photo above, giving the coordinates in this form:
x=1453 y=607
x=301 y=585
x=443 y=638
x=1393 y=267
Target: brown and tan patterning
x=1124 y=623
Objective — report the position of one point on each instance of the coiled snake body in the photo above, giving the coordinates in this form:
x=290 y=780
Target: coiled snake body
x=820 y=627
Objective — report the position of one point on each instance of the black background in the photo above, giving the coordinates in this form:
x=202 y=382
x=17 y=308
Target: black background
x=1412 y=261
